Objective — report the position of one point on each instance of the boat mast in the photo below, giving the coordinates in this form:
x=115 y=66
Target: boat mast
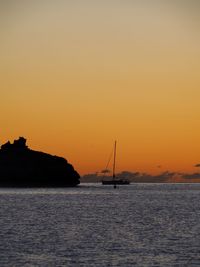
x=114 y=160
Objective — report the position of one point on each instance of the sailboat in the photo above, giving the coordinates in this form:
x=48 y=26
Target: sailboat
x=114 y=181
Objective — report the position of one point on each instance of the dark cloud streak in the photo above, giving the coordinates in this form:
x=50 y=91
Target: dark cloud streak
x=188 y=176
x=134 y=177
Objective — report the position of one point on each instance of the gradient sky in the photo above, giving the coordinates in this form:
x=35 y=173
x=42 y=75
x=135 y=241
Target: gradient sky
x=76 y=75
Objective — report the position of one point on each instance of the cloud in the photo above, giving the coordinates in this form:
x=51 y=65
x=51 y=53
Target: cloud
x=147 y=178
x=105 y=171
x=162 y=177
x=195 y=175
x=138 y=177
x=133 y=177
x=197 y=165
x=128 y=175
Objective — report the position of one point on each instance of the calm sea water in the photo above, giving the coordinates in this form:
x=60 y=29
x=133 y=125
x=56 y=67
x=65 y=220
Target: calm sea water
x=95 y=225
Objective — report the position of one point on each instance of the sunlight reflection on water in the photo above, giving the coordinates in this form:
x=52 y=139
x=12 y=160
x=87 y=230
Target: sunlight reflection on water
x=95 y=225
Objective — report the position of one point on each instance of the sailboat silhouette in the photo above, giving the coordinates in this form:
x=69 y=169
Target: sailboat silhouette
x=114 y=181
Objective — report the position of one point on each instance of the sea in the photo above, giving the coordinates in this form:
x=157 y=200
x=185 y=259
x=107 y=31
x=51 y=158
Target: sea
x=97 y=225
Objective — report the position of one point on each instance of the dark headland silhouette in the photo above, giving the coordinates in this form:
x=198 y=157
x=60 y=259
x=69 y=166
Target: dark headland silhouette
x=23 y=167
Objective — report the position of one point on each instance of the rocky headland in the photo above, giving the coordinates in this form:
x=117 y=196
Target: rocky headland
x=23 y=167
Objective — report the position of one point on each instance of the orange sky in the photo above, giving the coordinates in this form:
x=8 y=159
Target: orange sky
x=76 y=75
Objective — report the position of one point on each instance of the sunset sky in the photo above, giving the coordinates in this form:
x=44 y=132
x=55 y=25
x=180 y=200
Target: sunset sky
x=76 y=75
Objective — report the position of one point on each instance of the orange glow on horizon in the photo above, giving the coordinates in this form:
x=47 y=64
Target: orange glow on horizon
x=75 y=77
